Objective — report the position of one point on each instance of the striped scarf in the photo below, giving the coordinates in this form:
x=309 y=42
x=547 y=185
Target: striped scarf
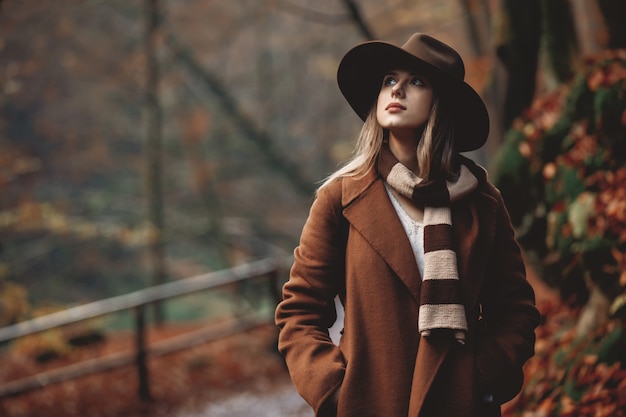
x=441 y=305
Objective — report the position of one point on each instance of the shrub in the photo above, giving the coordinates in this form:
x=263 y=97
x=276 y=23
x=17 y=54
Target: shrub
x=562 y=172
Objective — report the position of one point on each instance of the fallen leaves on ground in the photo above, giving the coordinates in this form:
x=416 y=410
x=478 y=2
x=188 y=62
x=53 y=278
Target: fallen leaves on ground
x=186 y=380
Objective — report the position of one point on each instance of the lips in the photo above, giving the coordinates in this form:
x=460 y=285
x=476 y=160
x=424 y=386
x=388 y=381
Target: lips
x=395 y=106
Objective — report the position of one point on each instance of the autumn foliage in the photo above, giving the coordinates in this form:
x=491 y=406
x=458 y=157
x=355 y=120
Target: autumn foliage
x=573 y=376
x=562 y=171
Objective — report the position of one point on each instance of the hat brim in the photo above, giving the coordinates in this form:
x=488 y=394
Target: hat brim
x=360 y=76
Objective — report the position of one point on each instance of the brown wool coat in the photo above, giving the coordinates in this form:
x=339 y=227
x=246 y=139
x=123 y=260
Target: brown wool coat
x=354 y=245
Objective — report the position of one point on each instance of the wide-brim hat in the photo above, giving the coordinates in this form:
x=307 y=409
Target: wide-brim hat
x=362 y=69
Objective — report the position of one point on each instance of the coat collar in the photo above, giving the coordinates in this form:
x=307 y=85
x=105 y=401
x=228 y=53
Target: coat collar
x=368 y=209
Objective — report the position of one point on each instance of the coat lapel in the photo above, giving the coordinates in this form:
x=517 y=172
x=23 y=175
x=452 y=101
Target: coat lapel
x=370 y=213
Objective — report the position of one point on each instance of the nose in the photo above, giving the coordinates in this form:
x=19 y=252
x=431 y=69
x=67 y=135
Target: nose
x=397 y=90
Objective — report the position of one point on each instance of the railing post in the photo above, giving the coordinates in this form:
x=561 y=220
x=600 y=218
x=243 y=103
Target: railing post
x=277 y=296
x=140 y=341
x=275 y=289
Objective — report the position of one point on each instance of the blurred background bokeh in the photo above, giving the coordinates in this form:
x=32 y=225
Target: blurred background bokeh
x=146 y=142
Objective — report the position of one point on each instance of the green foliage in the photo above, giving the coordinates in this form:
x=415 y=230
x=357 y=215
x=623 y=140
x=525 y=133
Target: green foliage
x=562 y=171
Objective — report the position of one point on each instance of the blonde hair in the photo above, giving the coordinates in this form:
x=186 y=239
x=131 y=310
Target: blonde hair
x=436 y=155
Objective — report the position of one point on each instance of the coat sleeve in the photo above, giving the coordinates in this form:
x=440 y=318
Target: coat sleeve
x=307 y=309
x=506 y=336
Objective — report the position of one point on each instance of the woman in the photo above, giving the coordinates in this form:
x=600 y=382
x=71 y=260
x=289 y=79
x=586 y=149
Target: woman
x=418 y=245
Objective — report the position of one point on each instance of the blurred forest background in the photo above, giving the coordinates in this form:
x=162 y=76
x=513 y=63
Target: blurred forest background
x=143 y=142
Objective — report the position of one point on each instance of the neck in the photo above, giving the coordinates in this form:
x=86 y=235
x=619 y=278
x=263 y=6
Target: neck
x=404 y=147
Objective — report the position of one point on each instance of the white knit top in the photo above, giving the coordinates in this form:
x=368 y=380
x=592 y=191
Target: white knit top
x=414 y=230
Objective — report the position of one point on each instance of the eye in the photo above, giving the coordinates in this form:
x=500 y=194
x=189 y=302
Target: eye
x=389 y=80
x=417 y=81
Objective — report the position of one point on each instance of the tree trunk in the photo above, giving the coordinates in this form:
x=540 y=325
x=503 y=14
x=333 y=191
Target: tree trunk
x=614 y=12
x=153 y=175
x=519 y=53
x=229 y=105
x=595 y=312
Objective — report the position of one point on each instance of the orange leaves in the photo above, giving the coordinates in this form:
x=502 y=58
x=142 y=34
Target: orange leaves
x=570 y=376
x=585 y=146
x=610 y=204
x=542 y=115
x=609 y=75
x=620 y=258
x=549 y=170
x=195 y=125
x=602 y=397
x=538 y=119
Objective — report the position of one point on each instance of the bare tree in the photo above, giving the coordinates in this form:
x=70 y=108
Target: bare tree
x=153 y=162
x=247 y=126
x=355 y=13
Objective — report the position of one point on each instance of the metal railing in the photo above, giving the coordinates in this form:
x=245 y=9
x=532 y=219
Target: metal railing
x=137 y=301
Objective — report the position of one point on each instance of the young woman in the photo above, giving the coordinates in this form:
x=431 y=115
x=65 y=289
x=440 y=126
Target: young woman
x=418 y=245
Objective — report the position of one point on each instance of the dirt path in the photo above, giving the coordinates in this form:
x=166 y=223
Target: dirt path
x=276 y=399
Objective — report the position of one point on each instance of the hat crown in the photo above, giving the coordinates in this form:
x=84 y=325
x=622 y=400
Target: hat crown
x=436 y=53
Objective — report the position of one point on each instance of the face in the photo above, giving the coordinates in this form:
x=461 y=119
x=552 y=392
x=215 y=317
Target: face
x=404 y=101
